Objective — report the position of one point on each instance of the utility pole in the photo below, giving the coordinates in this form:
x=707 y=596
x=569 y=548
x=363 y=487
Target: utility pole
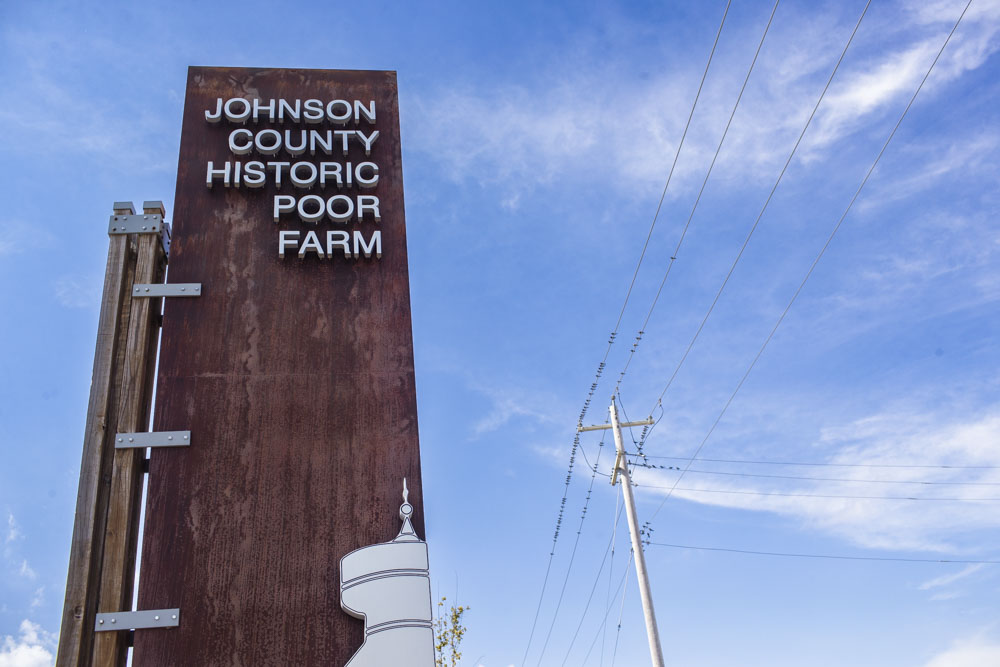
x=621 y=468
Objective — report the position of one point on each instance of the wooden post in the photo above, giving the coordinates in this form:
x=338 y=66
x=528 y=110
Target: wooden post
x=122 y=529
x=112 y=386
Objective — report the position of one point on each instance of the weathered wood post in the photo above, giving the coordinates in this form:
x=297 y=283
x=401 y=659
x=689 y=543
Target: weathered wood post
x=122 y=530
x=104 y=543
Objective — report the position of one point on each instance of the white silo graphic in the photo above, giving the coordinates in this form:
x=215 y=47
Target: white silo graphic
x=388 y=586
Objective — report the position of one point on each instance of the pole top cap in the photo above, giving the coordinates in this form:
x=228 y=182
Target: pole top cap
x=154 y=206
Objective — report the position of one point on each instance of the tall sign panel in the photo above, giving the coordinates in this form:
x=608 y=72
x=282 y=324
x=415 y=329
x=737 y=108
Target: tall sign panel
x=293 y=369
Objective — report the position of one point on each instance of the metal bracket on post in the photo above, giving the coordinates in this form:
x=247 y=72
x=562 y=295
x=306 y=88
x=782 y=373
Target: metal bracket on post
x=135 y=224
x=166 y=289
x=154 y=439
x=618 y=467
x=137 y=620
x=149 y=222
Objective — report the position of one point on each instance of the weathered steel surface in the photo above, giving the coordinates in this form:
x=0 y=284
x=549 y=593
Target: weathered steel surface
x=296 y=380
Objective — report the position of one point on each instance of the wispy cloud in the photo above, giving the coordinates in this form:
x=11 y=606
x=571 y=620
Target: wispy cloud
x=13 y=530
x=925 y=439
x=976 y=652
x=893 y=75
x=942 y=261
x=46 y=97
x=948 y=579
x=600 y=124
x=958 y=157
x=26 y=571
x=37 y=599
x=17 y=237
x=77 y=291
x=942 y=596
x=32 y=648
x=506 y=406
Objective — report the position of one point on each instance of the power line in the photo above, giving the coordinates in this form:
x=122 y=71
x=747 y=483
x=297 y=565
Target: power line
x=621 y=613
x=673 y=166
x=576 y=543
x=767 y=202
x=600 y=628
x=577 y=445
x=815 y=495
x=825 y=245
x=608 y=599
x=649 y=235
x=603 y=364
x=829 y=556
x=621 y=404
x=825 y=463
x=836 y=479
x=687 y=224
x=552 y=552
x=597 y=579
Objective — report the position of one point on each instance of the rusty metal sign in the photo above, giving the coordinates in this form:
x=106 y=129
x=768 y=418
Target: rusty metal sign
x=294 y=367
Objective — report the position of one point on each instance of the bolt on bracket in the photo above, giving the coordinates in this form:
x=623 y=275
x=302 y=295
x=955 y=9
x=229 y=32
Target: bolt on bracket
x=166 y=289
x=137 y=620
x=141 y=223
x=154 y=439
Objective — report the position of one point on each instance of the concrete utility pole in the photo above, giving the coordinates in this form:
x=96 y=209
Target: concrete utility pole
x=621 y=468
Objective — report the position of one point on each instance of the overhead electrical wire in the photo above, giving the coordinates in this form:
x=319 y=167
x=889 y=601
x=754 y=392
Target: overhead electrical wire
x=822 y=251
x=645 y=246
x=555 y=536
x=935 y=466
x=608 y=598
x=621 y=404
x=600 y=629
x=621 y=614
x=601 y=366
x=670 y=175
x=767 y=202
x=814 y=495
x=673 y=256
x=659 y=401
x=836 y=479
x=891 y=559
x=597 y=579
x=576 y=544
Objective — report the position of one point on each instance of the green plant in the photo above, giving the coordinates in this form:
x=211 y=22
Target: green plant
x=448 y=633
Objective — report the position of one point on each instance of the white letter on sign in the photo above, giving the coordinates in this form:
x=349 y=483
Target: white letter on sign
x=368 y=203
x=338 y=239
x=212 y=173
x=230 y=112
x=311 y=242
x=363 y=181
x=362 y=248
x=283 y=204
x=240 y=149
x=218 y=112
x=287 y=239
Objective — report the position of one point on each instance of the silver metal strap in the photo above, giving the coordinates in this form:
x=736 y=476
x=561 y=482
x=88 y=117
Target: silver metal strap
x=137 y=620
x=155 y=439
x=166 y=289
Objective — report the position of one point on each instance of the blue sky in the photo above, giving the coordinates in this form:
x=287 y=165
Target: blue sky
x=536 y=142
